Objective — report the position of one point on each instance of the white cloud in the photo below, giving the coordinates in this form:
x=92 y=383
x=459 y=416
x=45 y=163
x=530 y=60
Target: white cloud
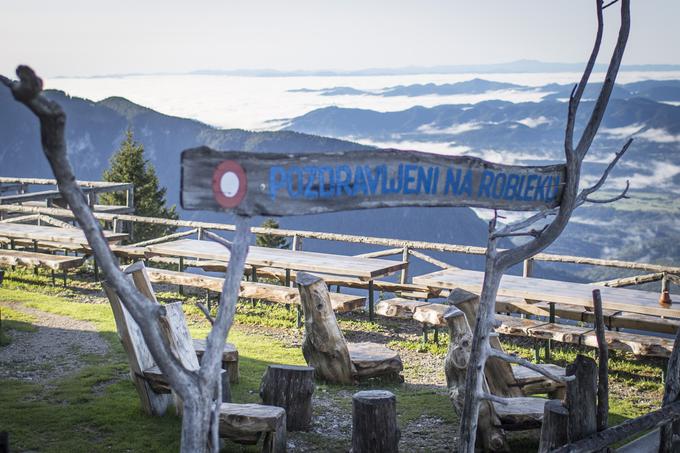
x=659 y=136
x=622 y=132
x=535 y=122
x=453 y=129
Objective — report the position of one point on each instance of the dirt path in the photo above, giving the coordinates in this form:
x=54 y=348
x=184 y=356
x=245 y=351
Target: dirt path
x=51 y=352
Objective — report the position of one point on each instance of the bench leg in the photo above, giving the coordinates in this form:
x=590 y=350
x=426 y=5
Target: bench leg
x=371 y=302
x=65 y=273
x=180 y=268
x=35 y=249
x=275 y=442
x=425 y=331
x=54 y=283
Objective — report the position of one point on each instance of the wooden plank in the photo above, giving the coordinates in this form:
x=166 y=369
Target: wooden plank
x=521 y=412
x=613 y=318
x=432 y=314
x=398 y=307
x=52 y=234
x=250 y=417
x=311 y=183
x=374 y=359
x=341 y=303
x=620 y=299
x=32 y=259
x=362 y=268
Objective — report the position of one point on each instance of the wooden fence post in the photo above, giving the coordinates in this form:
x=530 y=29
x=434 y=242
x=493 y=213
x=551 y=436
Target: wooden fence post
x=665 y=297
x=404 y=272
x=374 y=422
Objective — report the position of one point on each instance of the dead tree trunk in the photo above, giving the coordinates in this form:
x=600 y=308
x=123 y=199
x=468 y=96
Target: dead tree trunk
x=324 y=345
x=491 y=437
x=497 y=263
x=582 y=398
x=290 y=387
x=374 y=422
x=196 y=388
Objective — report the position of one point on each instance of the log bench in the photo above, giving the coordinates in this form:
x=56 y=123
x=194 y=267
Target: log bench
x=341 y=303
x=639 y=345
x=324 y=346
x=44 y=260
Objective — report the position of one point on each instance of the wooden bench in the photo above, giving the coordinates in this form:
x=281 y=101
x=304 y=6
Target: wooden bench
x=43 y=260
x=324 y=346
x=342 y=303
x=639 y=345
x=243 y=423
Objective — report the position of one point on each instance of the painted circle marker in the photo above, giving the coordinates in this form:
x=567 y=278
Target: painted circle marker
x=229 y=184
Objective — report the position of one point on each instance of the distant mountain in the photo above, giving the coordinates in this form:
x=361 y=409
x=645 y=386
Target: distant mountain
x=95 y=129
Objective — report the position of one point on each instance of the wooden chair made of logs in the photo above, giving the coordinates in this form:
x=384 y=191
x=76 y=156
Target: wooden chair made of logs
x=243 y=423
x=324 y=346
x=518 y=413
x=504 y=379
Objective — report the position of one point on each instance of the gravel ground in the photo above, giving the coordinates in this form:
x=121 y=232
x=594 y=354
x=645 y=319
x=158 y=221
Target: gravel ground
x=51 y=352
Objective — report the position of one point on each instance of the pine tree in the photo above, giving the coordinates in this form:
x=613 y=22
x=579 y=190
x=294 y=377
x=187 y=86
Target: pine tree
x=128 y=165
x=270 y=240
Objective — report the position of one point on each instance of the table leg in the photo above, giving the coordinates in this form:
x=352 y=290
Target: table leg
x=180 y=268
x=287 y=283
x=551 y=320
x=35 y=249
x=371 y=301
x=253 y=278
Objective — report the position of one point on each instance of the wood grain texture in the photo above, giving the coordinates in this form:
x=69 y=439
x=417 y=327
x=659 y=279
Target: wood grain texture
x=375 y=428
x=580 y=294
x=51 y=234
x=32 y=259
x=374 y=359
x=290 y=387
x=363 y=268
x=311 y=183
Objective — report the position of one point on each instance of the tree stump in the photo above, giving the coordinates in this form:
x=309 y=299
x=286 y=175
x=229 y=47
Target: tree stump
x=582 y=398
x=290 y=387
x=324 y=346
x=374 y=422
x=489 y=436
x=554 y=428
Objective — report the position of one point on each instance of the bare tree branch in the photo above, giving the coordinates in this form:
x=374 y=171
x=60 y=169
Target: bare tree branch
x=623 y=194
x=609 y=4
x=219 y=239
x=527 y=364
x=206 y=313
x=533 y=233
x=494 y=398
x=595 y=187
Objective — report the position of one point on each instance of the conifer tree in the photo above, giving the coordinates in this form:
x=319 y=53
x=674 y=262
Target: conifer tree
x=128 y=165
x=270 y=240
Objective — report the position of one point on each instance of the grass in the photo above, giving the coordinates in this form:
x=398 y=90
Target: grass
x=97 y=409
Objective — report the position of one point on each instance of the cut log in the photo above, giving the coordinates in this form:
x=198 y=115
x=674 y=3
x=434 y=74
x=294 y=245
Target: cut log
x=243 y=423
x=581 y=400
x=341 y=303
x=374 y=359
x=489 y=436
x=432 y=314
x=290 y=387
x=398 y=307
x=374 y=422
x=532 y=382
x=324 y=346
x=520 y=413
x=554 y=429
x=229 y=358
x=33 y=259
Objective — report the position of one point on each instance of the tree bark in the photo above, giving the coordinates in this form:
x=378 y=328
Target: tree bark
x=581 y=398
x=290 y=387
x=324 y=346
x=554 y=428
x=374 y=422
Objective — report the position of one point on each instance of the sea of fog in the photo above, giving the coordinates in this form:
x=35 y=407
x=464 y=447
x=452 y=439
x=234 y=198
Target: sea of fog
x=262 y=103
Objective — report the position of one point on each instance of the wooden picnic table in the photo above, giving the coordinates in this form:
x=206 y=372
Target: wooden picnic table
x=365 y=269
x=38 y=233
x=552 y=291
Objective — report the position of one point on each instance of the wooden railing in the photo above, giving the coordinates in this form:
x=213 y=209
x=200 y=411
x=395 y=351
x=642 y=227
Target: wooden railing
x=405 y=248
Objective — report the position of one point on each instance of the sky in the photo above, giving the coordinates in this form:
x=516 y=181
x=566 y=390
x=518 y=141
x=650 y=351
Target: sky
x=85 y=37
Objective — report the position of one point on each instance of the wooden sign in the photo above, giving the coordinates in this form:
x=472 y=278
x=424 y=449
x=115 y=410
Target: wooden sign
x=278 y=184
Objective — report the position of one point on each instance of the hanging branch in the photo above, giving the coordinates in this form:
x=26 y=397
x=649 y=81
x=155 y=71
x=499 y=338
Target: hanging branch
x=497 y=262
x=195 y=388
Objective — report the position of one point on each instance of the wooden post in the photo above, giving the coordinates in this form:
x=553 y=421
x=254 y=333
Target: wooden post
x=665 y=297
x=180 y=268
x=581 y=398
x=290 y=387
x=670 y=432
x=371 y=302
x=374 y=422
x=323 y=346
x=404 y=273
x=489 y=436
x=602 y=366
x=554 y=428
